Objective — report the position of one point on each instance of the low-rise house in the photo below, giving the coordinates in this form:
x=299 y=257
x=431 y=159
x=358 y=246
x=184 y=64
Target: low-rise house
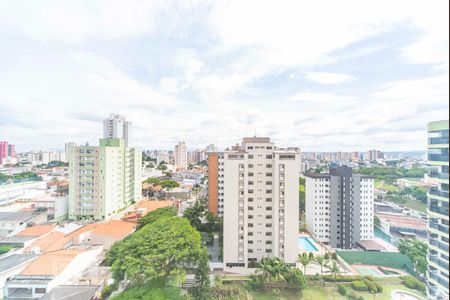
x=400 y=225
x=12 y=265
x=12 y=222
x=48 y=271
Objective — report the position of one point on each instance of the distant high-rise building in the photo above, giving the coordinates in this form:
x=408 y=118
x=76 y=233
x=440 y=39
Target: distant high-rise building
x=3 y=151
x=103 y=179
x=339 y=207
x=215 y=183
x=180 y=156
x=117 y=127
x=438 y=219
x=11 y=150
x=261 y=212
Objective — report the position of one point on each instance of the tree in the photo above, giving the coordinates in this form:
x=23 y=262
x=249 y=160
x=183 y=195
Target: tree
x=322 y=262
x=153 y=180
x=335 y=270
x=417 y=251
x=304 y=260
x=159 y=251
x=201 y=288
x=151 y=217
x=196 y=214
x=169 y=184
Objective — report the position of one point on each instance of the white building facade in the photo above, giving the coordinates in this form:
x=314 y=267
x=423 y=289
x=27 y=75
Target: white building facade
x=180 y=156
x=117 y=127
x=103 y=179
x=260 y=204
x=339 y=207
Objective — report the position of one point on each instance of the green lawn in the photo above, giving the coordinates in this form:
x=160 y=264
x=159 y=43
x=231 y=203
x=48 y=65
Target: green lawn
x=386 y=186
x=387 y=289
x=413 y=204
x=327 y=293
x=310 y=293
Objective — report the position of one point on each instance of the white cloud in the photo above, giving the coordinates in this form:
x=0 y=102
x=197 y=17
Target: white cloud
x=197 y=65
x=318 y=97
x=328 y=78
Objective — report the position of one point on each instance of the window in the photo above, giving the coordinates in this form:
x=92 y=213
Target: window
x=268 y=199
x=40 y=290
x=250 y=156
x=268 y=166
x=269 y=208
x=269 y=156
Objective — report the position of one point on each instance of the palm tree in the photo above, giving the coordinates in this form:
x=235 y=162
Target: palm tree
x=304 y=260
x=321 y=261
x=265 y=267
x=335 y=270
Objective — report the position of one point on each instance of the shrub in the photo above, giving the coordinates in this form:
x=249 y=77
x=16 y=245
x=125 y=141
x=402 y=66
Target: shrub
x=326 y=256
x=368 y=277
x=413 y=283
x=371 y=286
x=354 y=296
x=334 y=256
x=379 y=287
x=341 y=278
x=359 y=285
x=342 y=289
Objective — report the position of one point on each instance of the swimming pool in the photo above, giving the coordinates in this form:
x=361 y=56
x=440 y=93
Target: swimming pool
x=307 y=244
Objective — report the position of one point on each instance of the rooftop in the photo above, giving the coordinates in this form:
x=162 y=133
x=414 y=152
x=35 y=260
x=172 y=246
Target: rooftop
x=370 y=245
x=14 y=260
x=115 y=228
x=20 y=216
x=51 y=242
x=15 y=240
x=36 y=230
x=51 y=263
x=399 y=220
x=72 y=292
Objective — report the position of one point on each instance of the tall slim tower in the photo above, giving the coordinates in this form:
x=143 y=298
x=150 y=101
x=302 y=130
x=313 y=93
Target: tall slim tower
x=180 y=155
x=117 y=127
x=261 y=190
x=438 y=238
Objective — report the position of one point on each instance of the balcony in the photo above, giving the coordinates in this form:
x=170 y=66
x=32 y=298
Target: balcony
x=438 y=192
x=438 y=157
x=438 y=261
x=442 y=228
x=438 y=175
x=439 y=244
x=440 y=279
x=438 y=209
x=438 y=140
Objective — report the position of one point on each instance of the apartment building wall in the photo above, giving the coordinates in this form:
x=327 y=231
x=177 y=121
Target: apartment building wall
x=339 y=207
x=103 y=179
x=437 y=210
x=213 y=180
x=260 y=203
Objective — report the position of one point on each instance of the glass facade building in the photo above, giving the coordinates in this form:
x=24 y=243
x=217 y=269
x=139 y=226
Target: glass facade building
x=438 y=237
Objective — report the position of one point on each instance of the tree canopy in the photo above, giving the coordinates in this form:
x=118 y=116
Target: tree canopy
x=417 y=251
x=163 y=249
x=150 y=218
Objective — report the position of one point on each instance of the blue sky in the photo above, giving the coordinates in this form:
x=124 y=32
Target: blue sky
x=320 y=75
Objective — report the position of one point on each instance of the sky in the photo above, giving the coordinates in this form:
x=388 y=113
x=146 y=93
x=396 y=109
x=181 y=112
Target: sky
x=319 y=75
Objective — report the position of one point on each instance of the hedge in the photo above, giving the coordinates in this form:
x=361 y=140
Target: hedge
x=342 y=289
x=360 y=286
x=413 y=283
x=354 y=296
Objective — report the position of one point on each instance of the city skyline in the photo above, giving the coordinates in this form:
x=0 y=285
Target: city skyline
x=373 y=75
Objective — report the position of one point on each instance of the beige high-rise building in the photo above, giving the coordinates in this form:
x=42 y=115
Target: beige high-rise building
x=103 y=179
x=260 y=186
x=180 y=156
x=117 y=127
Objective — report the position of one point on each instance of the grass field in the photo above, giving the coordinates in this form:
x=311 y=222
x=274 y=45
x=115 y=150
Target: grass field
x=387 y=289
x=327 y=293
x=410 y=203
x=386 y=186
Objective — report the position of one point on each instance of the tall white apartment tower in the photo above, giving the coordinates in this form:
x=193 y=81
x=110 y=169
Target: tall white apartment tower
x=261 y=212
x=117 y=127
x=180 y=156
x=339 y=207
